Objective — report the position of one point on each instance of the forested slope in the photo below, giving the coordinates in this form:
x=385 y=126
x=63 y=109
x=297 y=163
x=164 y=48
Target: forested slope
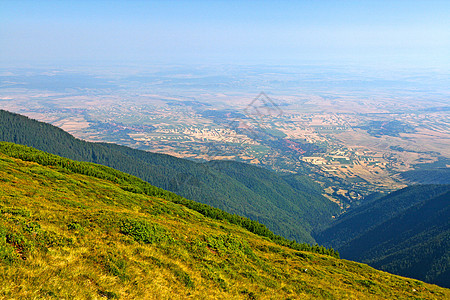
x=373 y=213
x=406 y=232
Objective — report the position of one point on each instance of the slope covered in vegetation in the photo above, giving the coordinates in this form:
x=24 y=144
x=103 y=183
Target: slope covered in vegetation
x=136 y=185
x=373 y=213
x=79 y=230
x=406 y=232
x=291 y=206
x=415 y=243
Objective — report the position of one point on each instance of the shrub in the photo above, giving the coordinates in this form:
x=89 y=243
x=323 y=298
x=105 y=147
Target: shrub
x=143 y=231
x=22 y=212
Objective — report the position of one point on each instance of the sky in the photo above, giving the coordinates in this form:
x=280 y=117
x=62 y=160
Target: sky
x=391 y=33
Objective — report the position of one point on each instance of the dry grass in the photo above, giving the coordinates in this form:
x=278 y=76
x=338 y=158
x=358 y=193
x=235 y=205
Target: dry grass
x=71 y=244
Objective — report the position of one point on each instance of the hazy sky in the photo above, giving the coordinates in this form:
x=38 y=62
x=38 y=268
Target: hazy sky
x=405 y=33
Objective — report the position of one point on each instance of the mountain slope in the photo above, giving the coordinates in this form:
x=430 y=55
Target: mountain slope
x=65 y=234
x=415 y=243
x=373 y=213
x=412 y=240
x=288 y=192
x=293 y=213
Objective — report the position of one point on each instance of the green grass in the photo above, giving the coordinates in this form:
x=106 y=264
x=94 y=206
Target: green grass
x=136 y=185
x=65 y=235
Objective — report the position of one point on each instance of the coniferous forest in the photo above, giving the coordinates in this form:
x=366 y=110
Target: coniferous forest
x=406 y=232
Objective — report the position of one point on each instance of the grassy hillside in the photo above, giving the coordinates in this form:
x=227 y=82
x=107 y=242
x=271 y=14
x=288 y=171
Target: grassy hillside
x=292 y=207
x=406 y=232
x=136 y=185
x=66 y=234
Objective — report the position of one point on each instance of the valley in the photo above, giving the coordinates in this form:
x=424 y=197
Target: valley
x=351 y=144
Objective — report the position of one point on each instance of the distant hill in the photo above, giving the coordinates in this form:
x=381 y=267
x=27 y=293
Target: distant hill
x=80 y=230
x=289 y=205
x=406 y=232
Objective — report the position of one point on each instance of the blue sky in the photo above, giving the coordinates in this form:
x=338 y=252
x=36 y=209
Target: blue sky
x=402 y=33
